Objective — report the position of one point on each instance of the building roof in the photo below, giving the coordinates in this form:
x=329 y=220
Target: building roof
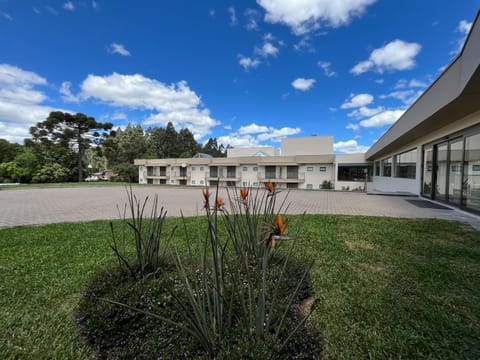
x=452 y=96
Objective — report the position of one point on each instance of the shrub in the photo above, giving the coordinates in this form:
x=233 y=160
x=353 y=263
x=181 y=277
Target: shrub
x=237 y=301
x=147 y=235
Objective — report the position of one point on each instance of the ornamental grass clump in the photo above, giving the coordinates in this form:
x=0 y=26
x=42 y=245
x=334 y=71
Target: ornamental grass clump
x=146 y=228
x=239 y=297
x=234 y=293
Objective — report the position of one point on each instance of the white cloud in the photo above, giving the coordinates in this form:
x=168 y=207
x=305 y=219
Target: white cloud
x=233 y=16
x=20 y=102
x=238 y=141
x=69 y=6
x=66 y=93
x=247 y=62
x=94 y=4
x=252 y=129
x=115 y=48
x=275 y=135
x=365 y=111
x=354 y=127
x=325 y=66
x=211 y=12
x=303 y=84
x=252 y=19
x=357 y=101
x=119 y=116
x=303 y=16
x=176 y=102
x=12 y=75
x=304 y=45
x=6 y=16
x=268 y=49
x=464 y=26
x=349 y=147
x=396 y=55
x=406 y=96
x=413 y=83
x=268 y=37
x=387 y=117
x=255 y=135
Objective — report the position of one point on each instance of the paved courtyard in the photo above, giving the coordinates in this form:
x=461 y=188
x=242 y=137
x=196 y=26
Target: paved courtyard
x=35 y=206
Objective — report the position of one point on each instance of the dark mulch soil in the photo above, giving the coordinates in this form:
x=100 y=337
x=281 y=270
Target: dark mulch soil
x=115 y=332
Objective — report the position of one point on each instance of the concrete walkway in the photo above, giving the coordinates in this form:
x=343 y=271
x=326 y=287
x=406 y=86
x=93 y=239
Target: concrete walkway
x=35 y=206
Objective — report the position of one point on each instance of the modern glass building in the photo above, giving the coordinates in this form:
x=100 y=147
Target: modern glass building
x=433 y=150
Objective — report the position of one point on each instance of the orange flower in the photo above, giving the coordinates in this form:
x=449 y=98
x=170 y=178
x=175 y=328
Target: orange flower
x=270 y=187
x=243 y=193
x=220 y=203
x=281 y=226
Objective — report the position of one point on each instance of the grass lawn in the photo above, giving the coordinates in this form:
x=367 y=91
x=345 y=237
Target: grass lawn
x=388 y=288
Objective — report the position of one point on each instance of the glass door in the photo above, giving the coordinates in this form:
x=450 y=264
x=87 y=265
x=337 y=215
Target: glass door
x=441 y=166
x=471 y=178
x=455 y=171
x=427 y=171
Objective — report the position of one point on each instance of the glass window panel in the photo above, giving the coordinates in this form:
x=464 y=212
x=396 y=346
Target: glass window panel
x=472 y=172
x=427 y=171
x=406 y=164
x=455 y=171
x=441 y=172
x=387 y=167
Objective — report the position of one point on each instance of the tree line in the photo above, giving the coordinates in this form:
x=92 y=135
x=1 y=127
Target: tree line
x=69 y=147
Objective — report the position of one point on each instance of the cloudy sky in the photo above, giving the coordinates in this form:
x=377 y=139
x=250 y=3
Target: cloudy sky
x=246 y=72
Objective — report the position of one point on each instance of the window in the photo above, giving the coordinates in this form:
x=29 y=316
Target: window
x=309 y=186
x=309 y=168
x=202 y=182
x=193 y=168
x=270 y=172
x=292 y=186
x=323 y=169
x=172 y=181
x=244 y=184
x=244 y=168
x=292 y=172
x=387 y=167
x=456 y=168
x=149 y=171
x=201 y=168
x=193 y=182
x=377 y=168
x=406 y=164
x=354 y=172
x=255 y=184
x=255 y=168
x=213 y=171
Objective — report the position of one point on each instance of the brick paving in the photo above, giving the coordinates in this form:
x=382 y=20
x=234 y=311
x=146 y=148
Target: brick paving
x=34 y=206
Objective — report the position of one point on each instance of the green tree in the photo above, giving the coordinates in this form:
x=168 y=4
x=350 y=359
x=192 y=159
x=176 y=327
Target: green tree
x=131 y=144
x=76 y=132
x=51 y=173
x=28 y=163
x=187 y=145
x=211 y=147
x=8 y=151
x=126 y=173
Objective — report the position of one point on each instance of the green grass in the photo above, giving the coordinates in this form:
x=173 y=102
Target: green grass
x=388 y=288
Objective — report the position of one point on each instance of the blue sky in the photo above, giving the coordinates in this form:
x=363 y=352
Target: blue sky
x=246 y=72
